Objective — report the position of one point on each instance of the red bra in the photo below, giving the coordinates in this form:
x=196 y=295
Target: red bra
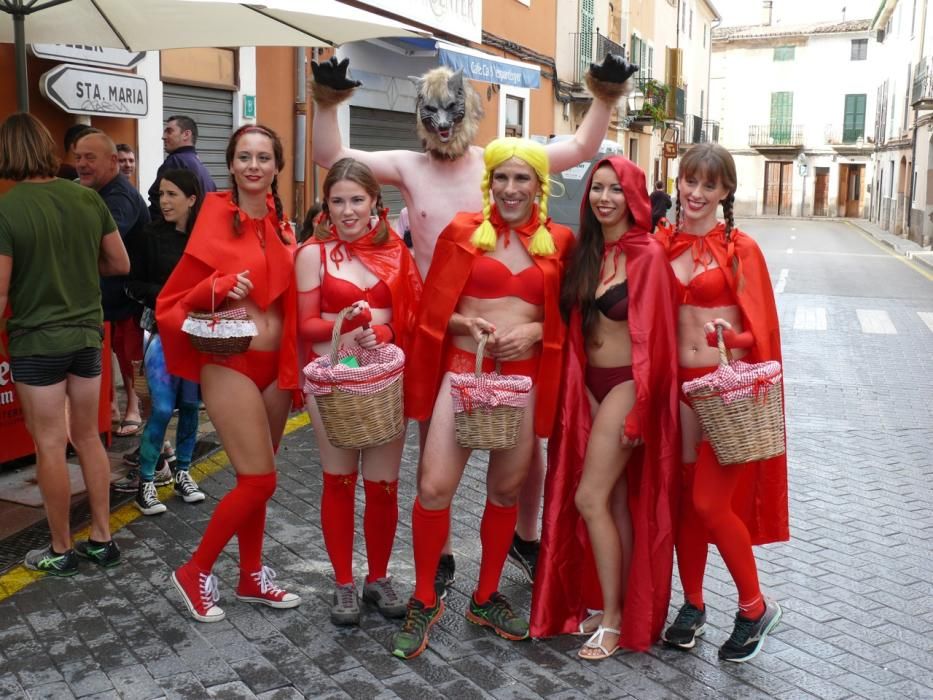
x=491 y=279
x=709 y=289
x=338 y=293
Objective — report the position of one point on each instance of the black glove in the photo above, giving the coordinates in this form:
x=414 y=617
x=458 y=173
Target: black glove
x=333 y=75
x=613 y=69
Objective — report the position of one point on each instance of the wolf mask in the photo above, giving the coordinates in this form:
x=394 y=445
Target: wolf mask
x=449 y=112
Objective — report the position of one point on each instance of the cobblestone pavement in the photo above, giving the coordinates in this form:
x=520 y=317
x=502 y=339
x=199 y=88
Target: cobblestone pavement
x=855 y=580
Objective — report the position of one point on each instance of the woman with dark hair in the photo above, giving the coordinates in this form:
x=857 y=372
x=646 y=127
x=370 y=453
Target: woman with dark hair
x=612 y=453
x=56 y=238
x=355 y=259
x=240 y=253
x=722 y=279
x=154 y=256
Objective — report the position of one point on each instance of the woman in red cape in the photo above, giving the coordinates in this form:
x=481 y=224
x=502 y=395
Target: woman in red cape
x=355 y=259
x=619 y=295
x=240 y=254
x=722 y=279
x=494 y=274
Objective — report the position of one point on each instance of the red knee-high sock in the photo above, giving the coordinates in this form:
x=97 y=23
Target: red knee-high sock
x=692 y=542
x=495 y=534
x=429 y=530
x=337 y=521
x=250 y=537
x=712 y=496
x=379 y=522
x=236 y=508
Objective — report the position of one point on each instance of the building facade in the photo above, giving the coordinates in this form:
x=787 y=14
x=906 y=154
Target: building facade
x=802 y=145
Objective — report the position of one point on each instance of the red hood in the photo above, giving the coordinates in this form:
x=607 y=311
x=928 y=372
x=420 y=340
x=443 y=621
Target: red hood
x=633 y=185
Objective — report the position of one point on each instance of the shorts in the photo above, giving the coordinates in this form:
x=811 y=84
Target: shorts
x=46 y=370
x=126 y=339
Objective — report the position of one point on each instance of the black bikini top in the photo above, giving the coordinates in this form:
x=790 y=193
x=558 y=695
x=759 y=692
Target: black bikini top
x=613 y=303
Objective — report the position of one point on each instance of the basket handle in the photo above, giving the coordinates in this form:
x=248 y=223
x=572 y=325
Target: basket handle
x=480 y=352
x=335 y=334
x=725 y=354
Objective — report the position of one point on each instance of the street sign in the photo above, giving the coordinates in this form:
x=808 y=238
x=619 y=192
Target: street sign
x=96 y=92
x=88 y=55
x=249 y=106
x=670 y=149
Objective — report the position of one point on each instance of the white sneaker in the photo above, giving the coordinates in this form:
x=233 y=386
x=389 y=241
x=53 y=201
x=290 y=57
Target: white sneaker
x=187 y=488
x=147 y=499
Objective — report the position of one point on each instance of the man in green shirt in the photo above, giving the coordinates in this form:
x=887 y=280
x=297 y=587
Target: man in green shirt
x=55 y=238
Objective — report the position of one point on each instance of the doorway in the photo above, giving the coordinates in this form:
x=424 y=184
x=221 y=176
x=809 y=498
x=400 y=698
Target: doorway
x=850 y=190
x=821 y=193
x=778 y=187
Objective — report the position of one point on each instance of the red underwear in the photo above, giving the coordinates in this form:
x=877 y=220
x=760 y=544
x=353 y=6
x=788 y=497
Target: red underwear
x=686 y=374
x=601 y=380
x=461 y=361
x=262 y=366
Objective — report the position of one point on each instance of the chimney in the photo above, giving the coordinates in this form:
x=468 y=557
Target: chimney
x=766 y=6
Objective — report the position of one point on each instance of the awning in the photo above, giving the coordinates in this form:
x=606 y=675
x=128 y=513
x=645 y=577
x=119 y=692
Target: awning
x=478 y=65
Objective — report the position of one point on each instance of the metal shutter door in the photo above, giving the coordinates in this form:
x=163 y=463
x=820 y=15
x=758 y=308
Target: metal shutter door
x=212 y=111
x=383 y=130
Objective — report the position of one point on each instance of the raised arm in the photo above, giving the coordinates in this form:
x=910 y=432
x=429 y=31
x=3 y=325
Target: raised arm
x=607 y=82
x=330 y=88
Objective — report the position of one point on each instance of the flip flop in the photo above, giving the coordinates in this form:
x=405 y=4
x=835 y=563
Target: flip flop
x=596 y=642
x=136 y=425
x=581 y=630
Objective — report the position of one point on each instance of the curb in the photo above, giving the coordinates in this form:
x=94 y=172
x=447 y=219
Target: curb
x=908 y=249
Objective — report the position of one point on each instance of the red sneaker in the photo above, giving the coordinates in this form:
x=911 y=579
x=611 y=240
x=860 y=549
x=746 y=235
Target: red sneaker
x=199 y=591
x=259 y=587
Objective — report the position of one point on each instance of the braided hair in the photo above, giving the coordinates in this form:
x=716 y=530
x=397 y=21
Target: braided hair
x=357 y=172
x=278 y=153
x=495 y=154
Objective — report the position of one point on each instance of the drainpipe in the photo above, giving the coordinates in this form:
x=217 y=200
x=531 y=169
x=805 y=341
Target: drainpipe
x=301 y=131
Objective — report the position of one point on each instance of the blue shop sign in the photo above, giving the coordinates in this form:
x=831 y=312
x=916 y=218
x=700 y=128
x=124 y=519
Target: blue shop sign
x=488 y=68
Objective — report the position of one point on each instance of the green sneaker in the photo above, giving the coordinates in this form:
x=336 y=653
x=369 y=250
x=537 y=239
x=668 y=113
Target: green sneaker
x=47 y=561
x=412 y=639
x=104 y=554
x=497 y=613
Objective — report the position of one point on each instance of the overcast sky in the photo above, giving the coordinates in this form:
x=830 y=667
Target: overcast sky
x=795 y=11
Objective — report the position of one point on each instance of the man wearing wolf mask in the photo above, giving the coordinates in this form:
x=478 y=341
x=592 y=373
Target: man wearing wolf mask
x=445 y=179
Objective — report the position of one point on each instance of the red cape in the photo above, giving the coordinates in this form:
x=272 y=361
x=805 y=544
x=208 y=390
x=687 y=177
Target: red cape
x=565 y=580
x=214 y=255
x=448 y=274
x=761 y=495
x=393 y=264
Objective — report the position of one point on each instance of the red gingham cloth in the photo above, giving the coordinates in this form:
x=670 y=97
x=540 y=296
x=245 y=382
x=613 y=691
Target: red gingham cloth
x=378 y=368
x=738 y=380
x=489 y=390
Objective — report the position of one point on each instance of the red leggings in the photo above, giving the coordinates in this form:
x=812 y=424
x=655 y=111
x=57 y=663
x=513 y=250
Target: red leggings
x=706 y=515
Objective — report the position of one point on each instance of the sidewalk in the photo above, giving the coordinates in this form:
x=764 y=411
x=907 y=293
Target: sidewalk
x=902 y=246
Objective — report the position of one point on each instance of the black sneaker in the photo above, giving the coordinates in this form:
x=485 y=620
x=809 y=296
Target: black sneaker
x=497 y=614
x=147 y=499
x=412 y=639
x=129 y=483
x=524 y=554
x=47 y=561
x=689 y=624
x=187 y=488
x=748 y=635
x=444 y=578
x=104 y=554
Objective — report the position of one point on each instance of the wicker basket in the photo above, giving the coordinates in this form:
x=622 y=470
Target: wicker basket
x=481 y=426
x=226 y=332
x=355 y=421
x=745 y=429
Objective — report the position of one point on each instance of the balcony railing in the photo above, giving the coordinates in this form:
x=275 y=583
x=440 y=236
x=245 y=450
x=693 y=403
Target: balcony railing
x=922 y=93
x=842 y=136
x=776 y=134
x=699 y=130
x=592 y=47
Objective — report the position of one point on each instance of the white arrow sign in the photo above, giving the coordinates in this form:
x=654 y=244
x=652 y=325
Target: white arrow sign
x=89 y=55
x=94 y=91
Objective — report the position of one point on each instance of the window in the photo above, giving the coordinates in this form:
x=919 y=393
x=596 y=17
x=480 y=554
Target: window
x=784 y=53
x=704 y=35
x=642 y=55
x=690 y=26
x=514 y=116
x=859 y=50
x=683 y=17
x=853 y=121
x=782 y=114
x=702 y=102
x=633 y=150
x=587 y=14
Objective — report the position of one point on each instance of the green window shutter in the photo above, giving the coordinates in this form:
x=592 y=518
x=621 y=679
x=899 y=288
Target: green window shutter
x=853 y=120
x=587 y=15
x=783 y=53
x=782 y=115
